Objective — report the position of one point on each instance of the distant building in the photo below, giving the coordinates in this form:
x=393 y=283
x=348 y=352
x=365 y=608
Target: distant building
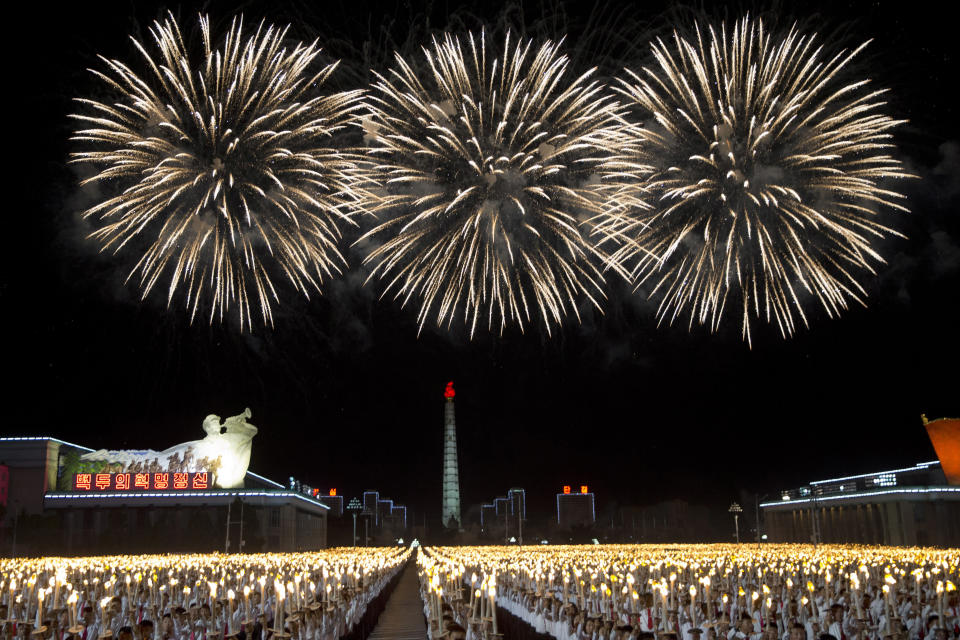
x=334 y=502
x=398 y=517
x=54 y=510
x=667 y=521
x=33 y=464
x=575 y=509
x=371 y=500
x=488 y=514
x=385 y=516
x=331 y=499
x=384 y=510
x=505 y=514
x=912 y=506
x=518 y=502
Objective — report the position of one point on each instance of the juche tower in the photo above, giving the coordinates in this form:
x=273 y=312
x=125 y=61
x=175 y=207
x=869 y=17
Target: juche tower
x=451 y=471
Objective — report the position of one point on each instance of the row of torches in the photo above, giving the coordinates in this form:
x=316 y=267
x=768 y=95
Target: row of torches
x=442 y=582
x=33 y=590
x=609 y=580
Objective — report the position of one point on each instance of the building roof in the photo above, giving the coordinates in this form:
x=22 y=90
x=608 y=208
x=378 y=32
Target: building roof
x=66 y=499
x=39 y=438
x=921 y=482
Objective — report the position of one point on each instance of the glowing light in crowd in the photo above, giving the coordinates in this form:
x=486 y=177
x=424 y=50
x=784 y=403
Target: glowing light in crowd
x=156 y=584
x=668 y=586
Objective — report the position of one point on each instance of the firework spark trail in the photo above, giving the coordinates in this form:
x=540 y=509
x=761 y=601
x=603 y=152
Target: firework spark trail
x=221 y=164
x=767 y=174
x=493 y=171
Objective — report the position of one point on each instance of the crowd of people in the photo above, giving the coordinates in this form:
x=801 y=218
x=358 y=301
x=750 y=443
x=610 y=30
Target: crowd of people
x=613 y=592
x=692 y=592
x=328 y=595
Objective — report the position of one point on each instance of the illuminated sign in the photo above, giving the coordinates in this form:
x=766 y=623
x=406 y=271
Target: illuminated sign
x=885 y=480
x=333 y=492
x=566 y=488
x=583 y=488
x=165 y=481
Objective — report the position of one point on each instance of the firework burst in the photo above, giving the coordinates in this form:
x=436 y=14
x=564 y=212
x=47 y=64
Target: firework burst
x=493 y=169
x=223 y=166
x=768 y=169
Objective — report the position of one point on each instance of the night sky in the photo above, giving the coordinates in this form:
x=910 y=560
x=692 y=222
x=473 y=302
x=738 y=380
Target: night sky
x=347 y=393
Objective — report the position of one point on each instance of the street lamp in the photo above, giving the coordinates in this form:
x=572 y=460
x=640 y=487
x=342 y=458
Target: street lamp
x=758 y=499
x=736 y=510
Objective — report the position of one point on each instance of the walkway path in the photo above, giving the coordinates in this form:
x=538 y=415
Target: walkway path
x=402 y=619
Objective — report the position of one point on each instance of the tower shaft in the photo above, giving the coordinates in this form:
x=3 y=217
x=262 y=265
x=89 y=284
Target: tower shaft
x=451 y=470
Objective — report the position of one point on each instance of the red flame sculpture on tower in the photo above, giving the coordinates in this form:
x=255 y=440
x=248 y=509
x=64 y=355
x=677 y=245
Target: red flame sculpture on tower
x=448 y=393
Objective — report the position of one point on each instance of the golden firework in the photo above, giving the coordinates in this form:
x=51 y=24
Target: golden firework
x=223 y=168
x=493 y=167
x=769 y=166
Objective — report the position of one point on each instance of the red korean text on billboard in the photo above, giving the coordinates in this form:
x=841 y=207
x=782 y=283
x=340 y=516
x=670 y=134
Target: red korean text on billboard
x=165 y=481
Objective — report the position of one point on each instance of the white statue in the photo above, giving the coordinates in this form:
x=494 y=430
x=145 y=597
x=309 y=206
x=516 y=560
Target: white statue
x=224 y=452
x=232 y=442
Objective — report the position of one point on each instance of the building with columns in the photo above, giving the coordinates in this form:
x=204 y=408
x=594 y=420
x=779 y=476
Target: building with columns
x=48 y=512
x=911 y=506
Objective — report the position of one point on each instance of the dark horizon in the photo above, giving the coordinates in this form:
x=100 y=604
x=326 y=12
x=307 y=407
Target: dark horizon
x=347 y=390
